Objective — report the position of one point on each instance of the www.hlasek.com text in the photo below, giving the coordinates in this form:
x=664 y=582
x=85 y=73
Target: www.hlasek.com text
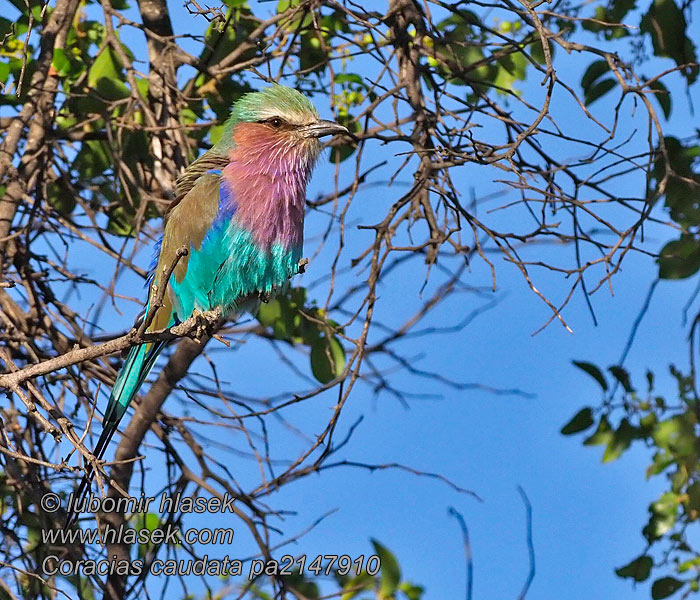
x=170 y=535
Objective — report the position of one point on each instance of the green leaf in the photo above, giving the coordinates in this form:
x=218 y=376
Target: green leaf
x=638 y=569
x=4 y=71
x=313 y=58
x=345 y=151
x=136 y=150
x=693 y=501
x=106 y=77
x=510 y=69
x=598 y=90
x=583 y=419
x=142 y=87
x=537 y=51
x=220 y=42
x=412 y=592
x=60 y=62
x=664 y=587
x=120 y=223
x=391 y=573
x=595 y=70
x=663 y=517
x=620 y=8
x=60 y=198
x=112 y=89
x=676 y=435
x=5 y=27
x=680 y=258
x=356 y=585
x=693 y=564
x=622 y=376
x=602 y=435
x=150 y=521
x=348 y=78
x=600 y=14
x=327 y=359
x=303 y=586
x=593 y=371
x=682 y=193
x=93 y=159
x=215 y=133
x=667 y=26
x=284 y=5
x=269 y=312
x=105 y=65
x=283 y=315
x=663 y=96
x=621 y=440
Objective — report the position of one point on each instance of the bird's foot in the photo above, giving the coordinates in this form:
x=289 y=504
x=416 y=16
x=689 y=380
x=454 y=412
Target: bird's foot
x=301 y=265
x=265 y=297
x=204 y=324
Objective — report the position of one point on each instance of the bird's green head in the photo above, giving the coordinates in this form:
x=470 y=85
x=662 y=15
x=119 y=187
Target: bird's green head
x=276 y=113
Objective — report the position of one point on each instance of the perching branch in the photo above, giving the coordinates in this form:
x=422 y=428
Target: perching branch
x=188 y=328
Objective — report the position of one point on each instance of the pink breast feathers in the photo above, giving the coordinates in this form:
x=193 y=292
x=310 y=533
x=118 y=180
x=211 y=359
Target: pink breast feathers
x=267 y=176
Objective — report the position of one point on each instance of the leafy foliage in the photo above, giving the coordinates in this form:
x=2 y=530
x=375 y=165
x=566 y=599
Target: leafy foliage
x=386 y=584
x=289 y=320
x=670 y=429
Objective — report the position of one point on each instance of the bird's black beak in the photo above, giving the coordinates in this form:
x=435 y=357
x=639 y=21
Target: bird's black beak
x=322 y=127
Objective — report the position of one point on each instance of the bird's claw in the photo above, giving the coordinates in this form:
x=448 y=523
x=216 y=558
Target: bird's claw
x=204 y=327
x=301 y=265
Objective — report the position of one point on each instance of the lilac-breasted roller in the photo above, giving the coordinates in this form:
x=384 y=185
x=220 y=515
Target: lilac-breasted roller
x=239 y=209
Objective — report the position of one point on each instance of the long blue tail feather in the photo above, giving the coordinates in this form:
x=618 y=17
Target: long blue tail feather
x=137 y=366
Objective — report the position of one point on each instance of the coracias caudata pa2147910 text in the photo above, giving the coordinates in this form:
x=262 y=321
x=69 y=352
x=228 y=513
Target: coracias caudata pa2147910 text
x=239 y=210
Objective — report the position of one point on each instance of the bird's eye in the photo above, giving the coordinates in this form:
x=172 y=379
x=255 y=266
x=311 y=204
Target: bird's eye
x=275 y=122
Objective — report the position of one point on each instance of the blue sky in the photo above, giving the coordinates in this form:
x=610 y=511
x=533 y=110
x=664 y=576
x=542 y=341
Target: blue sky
x=587 y=517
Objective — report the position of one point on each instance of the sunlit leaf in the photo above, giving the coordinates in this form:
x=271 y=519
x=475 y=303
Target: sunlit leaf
x=4 y=71
x=61 y=62
x=391 y=573
x=602 y=435
x=620 y=441
x=356 y=585
x=105 y=76
x=412 y=592
x=327 y=359
x=663 y=516
x=106 y=65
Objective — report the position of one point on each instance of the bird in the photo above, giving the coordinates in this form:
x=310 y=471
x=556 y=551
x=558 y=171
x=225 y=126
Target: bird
x=238 y=210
